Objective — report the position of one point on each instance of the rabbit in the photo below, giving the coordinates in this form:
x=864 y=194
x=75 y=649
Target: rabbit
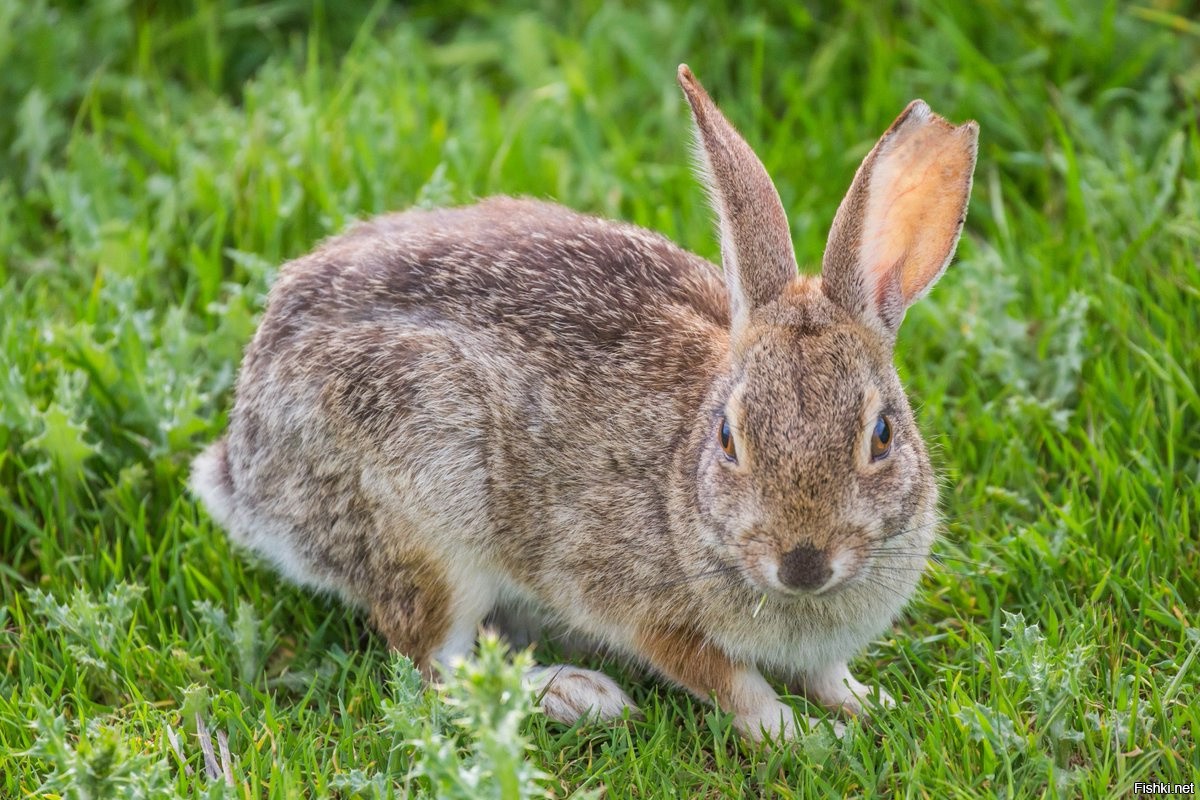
x=511 y=409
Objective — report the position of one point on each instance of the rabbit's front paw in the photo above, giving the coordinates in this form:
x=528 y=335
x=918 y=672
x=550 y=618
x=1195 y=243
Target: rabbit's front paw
x=777 y=720
x=567 y=694
x=836 y=689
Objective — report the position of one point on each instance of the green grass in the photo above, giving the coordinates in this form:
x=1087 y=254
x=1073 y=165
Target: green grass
x=155 y=168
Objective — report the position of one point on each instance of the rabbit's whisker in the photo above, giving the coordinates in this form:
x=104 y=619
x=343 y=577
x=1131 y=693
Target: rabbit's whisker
x=712 y=573
x=878 y=582
x=917 y=570
x=939 y=558
x=895 y=534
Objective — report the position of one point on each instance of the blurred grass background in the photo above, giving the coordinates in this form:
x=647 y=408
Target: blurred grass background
x=159 y=160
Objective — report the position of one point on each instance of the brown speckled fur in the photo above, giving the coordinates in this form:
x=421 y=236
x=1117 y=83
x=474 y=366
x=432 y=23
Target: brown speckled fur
x=515 y=405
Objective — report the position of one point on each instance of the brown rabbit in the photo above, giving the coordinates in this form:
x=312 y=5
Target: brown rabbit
x=514 y=409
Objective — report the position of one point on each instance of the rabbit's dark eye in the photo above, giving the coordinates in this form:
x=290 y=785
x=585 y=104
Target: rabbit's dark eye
x=725 y=434
x=881 y=438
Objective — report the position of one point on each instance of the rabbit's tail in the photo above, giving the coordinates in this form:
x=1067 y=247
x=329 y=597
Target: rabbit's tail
x=211 y=483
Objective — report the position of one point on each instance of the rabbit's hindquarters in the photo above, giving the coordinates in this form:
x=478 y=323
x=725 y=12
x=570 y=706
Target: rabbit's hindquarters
x=347 y=467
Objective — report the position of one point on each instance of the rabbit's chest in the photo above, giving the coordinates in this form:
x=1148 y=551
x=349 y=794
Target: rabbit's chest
x=788 y=639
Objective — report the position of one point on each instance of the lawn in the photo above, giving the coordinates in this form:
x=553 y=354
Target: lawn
x=159 y=162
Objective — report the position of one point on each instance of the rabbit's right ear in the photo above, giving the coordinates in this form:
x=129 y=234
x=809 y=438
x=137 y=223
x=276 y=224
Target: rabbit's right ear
x=756 y=245
x=896 y=230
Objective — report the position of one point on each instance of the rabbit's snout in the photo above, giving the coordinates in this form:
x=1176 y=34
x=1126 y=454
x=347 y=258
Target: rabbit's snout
x=808 y=569
x=805 y=567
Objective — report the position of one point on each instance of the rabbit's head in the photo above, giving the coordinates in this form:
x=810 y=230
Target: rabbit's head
x=812 y=474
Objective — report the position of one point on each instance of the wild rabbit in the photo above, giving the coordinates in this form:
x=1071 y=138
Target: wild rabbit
x=512 y=407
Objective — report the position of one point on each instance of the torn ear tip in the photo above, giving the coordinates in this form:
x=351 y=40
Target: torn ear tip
x=969 y=130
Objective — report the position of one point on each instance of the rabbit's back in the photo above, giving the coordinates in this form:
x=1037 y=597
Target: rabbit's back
x=486 y=381
x=534 y=271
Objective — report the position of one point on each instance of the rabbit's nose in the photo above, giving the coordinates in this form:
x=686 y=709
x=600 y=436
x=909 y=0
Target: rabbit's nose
x=805 y=568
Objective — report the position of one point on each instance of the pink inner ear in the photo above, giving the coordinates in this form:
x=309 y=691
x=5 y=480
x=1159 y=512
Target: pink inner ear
x=917 y=198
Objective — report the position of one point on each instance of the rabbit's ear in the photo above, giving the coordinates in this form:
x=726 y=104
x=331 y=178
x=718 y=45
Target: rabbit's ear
x=897 y=227
x=756 y=247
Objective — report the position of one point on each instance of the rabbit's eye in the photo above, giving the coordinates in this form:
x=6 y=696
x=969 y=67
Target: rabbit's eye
x=725 y=434
x=881 y=438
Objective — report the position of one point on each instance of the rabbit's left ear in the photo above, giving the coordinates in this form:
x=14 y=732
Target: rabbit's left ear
x=756 y=246
x=896 y=229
